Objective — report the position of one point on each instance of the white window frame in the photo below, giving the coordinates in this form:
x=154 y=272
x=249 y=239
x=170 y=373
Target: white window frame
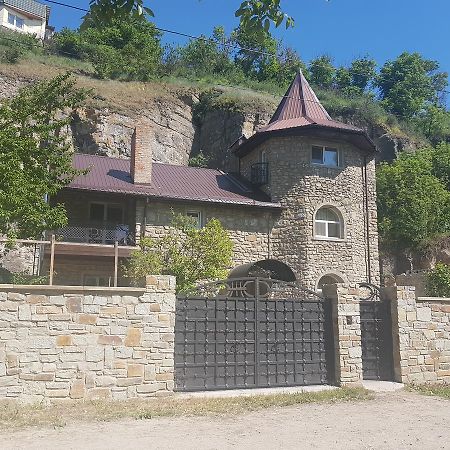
x=12 y=20
x=324 y=148
x=196 y=215
x=339 y=222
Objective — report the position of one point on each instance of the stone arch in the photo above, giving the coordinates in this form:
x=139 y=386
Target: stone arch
x=333 y=276
x=265 y=268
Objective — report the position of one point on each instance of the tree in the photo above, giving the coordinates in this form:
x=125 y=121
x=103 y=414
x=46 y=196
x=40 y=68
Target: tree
x=189 y=253
x=128 y=49
x=256 y=15
x=434 y=122
x=260 y=61
x=35 y=156
x=440 y=157
x=413 y=203
x=362 y=72
x=207 y=56
x=342 y=78
x=322 y=71
x=409 y=82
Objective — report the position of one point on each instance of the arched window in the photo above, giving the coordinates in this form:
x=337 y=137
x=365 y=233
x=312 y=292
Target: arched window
x=328 y=223
x=328 y=279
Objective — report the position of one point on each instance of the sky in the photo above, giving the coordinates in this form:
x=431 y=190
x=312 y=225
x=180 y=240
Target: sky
x=343 y=29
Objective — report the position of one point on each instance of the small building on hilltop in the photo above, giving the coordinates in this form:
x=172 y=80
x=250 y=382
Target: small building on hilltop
x=25 y=16
x=304 y=194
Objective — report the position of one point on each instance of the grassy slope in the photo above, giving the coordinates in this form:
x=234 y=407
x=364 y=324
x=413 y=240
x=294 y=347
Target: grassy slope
x=263 y=98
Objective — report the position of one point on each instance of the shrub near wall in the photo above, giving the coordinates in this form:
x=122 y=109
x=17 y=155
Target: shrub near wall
x=71 y=342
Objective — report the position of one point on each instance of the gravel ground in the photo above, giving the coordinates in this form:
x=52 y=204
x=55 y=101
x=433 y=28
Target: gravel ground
x=401 y=420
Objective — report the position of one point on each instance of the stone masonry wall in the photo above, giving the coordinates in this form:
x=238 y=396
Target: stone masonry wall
x=248 y=227
x=421 y=330
x=91 y=343
x=303 y=188
x=347 y=332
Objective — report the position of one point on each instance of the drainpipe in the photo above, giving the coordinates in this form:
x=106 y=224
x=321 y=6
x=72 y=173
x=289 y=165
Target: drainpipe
x=144 y=221
x=366 y=213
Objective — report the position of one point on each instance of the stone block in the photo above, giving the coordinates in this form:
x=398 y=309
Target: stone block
x=150 y=388
x=35 y=299
x=424 y=314
x=113 y=310
x=74 y=304
x=142 y=308
x=24 y=312
x=129 y=381
x=78 y=389
x=165 y=376
x=94 y=354
x=98 y=393
x=109 y=340
x=57 y=393
x=135 y=370
x=133 y=338
x=105 y=381
x=64 y=340
x=87 y=319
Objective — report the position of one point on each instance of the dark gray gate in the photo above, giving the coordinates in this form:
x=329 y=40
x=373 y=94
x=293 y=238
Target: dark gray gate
x=251 y=332
x=376 y=335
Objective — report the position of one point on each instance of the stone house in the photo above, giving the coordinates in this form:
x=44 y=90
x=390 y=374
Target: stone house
x=25 y=16
x=303 y=193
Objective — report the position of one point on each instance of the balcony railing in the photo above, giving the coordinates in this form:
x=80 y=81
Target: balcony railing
x=104 y=233
x=260 y=173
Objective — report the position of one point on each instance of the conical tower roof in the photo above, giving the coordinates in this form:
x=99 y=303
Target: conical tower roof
x=300 y=113
x=300 y=107
x=300 y=101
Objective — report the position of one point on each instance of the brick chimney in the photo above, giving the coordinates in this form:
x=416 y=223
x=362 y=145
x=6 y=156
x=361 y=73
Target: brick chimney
x=141 y=153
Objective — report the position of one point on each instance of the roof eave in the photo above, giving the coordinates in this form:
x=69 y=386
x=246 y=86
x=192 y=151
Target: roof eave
x=252 y=203
x=262 y=136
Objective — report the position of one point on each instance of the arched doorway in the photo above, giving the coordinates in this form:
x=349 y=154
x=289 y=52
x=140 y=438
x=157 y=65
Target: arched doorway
x=329 y=278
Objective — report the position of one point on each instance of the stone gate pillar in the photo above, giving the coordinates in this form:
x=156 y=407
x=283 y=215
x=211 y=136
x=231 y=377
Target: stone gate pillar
x=347 y=332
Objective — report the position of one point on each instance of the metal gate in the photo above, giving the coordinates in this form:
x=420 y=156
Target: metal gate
x=376 y=335
x=252 y=332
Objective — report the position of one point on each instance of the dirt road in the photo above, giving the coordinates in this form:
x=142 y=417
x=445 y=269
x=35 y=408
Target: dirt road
x=399 y=420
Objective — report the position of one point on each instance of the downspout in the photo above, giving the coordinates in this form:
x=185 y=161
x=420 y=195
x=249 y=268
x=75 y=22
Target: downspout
x=144 y=220
x=366 y=208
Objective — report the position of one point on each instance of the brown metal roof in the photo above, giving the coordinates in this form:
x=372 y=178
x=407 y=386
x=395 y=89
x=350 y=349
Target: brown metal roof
x=299 y=110
x=168 y=182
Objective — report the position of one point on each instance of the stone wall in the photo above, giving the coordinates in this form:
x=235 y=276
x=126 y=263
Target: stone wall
x=248 y=227
x=302 y=188
x=347 y=333
x=87 y=343
x=421 y=330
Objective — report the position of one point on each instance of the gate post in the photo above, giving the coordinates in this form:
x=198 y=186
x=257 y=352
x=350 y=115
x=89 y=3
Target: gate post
x=347 y=333
x=160 y=331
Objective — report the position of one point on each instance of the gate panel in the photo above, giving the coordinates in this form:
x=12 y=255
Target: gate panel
x=376 y=337
x=252 y=333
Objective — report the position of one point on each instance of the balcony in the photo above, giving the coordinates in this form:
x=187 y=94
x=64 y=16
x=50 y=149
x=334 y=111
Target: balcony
x=259 y=173
x=96 y=233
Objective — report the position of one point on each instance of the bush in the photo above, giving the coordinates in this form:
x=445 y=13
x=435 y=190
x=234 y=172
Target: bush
x=128 y=50
x=438 y=281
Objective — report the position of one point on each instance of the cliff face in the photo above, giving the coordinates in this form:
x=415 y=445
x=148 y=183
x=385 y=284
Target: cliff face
x=186 y=120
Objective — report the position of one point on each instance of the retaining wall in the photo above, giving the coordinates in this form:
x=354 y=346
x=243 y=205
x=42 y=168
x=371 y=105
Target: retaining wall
x=61 y=342
x=421 y=333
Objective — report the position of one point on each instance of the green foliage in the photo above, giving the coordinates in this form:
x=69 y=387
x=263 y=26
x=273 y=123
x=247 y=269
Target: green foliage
x=35 y=156
x=440 y=158
x=125 y=49
x=362 y=72
x=434 y=122
x=409 y=82
x=199 y=160
x=413 y=203
x=14 y=45
x=103 y=13
x=189 y=253
x=438 y=281
x=322 y=71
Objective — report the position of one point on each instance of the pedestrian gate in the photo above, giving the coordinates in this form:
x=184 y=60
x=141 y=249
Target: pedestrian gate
x=376 y=335
x=252 y=332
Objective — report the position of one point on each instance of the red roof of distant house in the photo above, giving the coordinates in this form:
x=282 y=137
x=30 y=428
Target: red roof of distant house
x=168 y=182
x=301 y=110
